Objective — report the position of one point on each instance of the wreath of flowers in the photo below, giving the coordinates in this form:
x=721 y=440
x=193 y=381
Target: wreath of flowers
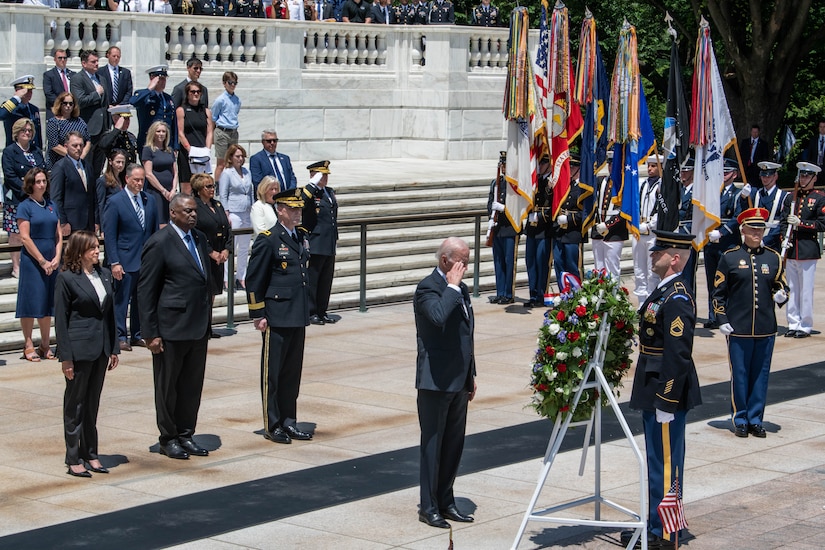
x=567 y=341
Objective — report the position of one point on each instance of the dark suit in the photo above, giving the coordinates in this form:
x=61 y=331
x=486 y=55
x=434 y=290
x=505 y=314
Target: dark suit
x=445 y=368
x=811 y=153
x=13 y=110
x=762 y=152
x=260 y=167
x=215 y=225
x=75 y=205
x=175 y=305
x=15 y=168
x=277 y=288
x=53 y=87
x=320 y=218
x=85 y=331
x=179 y=93
x=125 y=238
x=377 y=14
x=93 y=106
x=665 y=382
x=124 y=84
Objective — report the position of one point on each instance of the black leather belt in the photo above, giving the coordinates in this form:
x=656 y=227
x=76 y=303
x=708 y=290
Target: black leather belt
x=226 y=129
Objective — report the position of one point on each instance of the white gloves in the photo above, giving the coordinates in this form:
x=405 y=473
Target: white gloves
x=780 y=296
x=793 y=220
x=316 y=178
x=601 y=228
x=714 y=236
x=562 y=220
x=491 y=224
x=644 y=228
x=663 y=417
x=497 y=207
x=726 y=329
x=746 y=191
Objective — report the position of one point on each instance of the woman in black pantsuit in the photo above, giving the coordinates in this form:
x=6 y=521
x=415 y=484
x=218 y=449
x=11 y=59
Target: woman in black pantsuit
x=87 y=340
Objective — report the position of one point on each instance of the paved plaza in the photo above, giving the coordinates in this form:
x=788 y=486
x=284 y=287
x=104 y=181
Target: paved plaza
x=355 y=485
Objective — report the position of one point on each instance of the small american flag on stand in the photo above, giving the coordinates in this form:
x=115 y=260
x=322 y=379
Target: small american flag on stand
x=671 y=511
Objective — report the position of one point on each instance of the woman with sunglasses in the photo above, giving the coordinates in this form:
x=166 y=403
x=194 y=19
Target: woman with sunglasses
x=66 y=119
x=194 y=130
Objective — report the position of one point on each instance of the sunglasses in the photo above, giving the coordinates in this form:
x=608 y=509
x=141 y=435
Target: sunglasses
x=195 y=92
x=269 y=141
x=61 y=58
x=208 y=186
x=231 y=82
x=199 y=69
x=68 y=103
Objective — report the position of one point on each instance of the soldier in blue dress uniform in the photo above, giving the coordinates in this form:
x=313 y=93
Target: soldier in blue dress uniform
x=403 y=13
x=538 y=228
x=776 y=201
x=568 y=236
x=441 y=13
x=665 y=388
x=153 y=104
x=487 y=15
x=749 y=279
x=18 y=107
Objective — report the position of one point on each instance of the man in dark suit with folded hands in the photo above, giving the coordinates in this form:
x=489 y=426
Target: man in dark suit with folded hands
x=445 y=379
x=175 y=319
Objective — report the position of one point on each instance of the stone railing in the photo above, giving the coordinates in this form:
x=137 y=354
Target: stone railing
x=335 y=90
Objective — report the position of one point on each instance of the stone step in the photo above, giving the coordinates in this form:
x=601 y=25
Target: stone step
x=346 y=202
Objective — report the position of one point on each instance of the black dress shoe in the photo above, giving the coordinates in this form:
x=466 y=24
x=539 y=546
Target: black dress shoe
x=801 y=334
x=741 y=430
x=214 y=334
x=654 y=542
x=791 y=334
x=138 y=343
x=124 y=346
x=84 y=473
x=193 y=448
x=330 y=320
x=528 y=304
x=433 y=520
x=295 y=433
x=505 y=301
x=101 y=470
x=494 y=299
x=315 y=320
x=278 y=435
x=757 y=430
x=711 y=324
x=451 y=512
x=174 y=450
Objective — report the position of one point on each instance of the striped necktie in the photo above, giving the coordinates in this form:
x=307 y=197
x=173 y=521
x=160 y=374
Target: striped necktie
x=115 y=80
x=139 y=211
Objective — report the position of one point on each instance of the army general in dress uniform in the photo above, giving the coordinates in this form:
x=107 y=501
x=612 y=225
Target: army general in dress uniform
x=277 y=288
x=665 y=388
x=749 y=279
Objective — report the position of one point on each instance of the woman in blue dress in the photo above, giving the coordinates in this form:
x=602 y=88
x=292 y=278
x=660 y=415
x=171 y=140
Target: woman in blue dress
x=42 y=245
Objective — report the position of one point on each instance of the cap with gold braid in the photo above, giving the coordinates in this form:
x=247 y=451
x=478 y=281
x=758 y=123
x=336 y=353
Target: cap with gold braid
x=669 y=239
x=290 y=197
x=26 y=81
x=321 y=166
x=754 y=217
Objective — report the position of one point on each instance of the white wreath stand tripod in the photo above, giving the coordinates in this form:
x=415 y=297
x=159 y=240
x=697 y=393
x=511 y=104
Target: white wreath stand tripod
x=638 y=521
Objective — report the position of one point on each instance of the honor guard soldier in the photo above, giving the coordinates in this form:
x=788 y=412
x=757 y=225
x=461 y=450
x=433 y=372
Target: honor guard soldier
x=568 y=235
x=686 y=220
x=748 y=281
x=320 y=220
x=610 y=231
x=776 y=201
x=504 y=240
x=807 y=219
x=723 y=238
x=538 y=229
x=18 y=107
x=277 y=289
x=404 y=13
x=153 y=103
x=441 y=13
x=486 y=15
x=665 y=388
x=645 y=279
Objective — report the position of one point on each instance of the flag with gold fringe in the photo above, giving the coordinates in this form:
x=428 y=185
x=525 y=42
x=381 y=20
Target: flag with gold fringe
x=593 y=92
x=565 y=122
x=520 y=111
x=711 y=133
x=629 y=128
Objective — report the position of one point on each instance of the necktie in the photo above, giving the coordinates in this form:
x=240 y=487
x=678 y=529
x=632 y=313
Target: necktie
x=82 y=173
x=280 y=177
x=821 y=149
x=190 y=244
x=386 y=15
x=753 y=149
x=139 y=211
x=66 y=83
x=115 y=79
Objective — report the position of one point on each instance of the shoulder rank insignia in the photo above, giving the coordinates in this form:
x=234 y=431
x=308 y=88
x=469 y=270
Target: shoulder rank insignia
x=677 y=327
x=719 y=279
x=668 y=387
x=679 y=286
x=266 y=232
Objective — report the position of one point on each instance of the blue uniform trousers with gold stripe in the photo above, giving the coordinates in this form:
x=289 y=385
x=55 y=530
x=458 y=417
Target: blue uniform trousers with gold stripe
x=665 y=446
x=750 y=365
x=281 y=365
x=504 y=263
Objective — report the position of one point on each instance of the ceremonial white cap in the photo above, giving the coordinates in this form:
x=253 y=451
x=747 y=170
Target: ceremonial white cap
x=808 y=167
x=158 y=70
x=26 y=81
x=122 y=110
x=655 y=159
x=767 y=165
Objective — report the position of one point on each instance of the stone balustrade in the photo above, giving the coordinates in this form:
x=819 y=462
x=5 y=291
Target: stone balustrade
x=332 y=90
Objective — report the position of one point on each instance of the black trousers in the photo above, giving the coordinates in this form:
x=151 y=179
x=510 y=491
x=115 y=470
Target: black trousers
x=442 y=417
x=282 y=360
x=81 y=401
x=321 y=271
x=179 y=372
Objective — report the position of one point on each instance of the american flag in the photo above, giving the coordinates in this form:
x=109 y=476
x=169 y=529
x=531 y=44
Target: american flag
x=671 y=511
x=542 y=83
